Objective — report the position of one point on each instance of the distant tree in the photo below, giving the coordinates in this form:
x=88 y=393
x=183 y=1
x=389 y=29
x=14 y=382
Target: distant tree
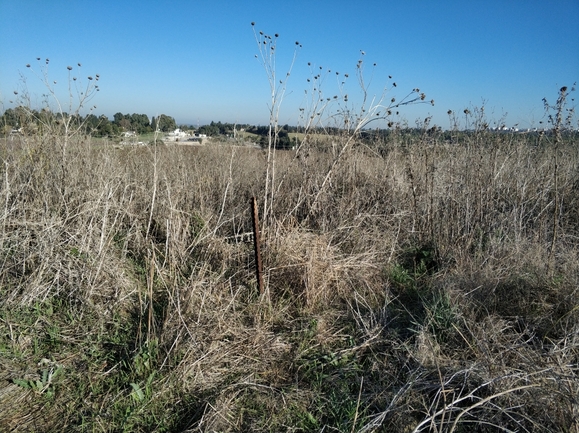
x=9 y=118
x=91 y=123
x=140 y=123
x=105 y=127
x=166 y=123
x=284 y=141
x=126 y=124
x=117 y=118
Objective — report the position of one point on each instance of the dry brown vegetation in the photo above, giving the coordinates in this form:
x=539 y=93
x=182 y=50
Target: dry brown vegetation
x=421 y=286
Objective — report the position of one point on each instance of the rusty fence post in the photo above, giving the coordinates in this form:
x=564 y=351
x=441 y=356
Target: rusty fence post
x=256 y=246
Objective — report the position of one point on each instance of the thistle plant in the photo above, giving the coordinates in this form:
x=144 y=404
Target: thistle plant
x=560 y=118
x=56 y=118
x=558 y=115
x=267 y=48
x=321 y=111
x=342 y=113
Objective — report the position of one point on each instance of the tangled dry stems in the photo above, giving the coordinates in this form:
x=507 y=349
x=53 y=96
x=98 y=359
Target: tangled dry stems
x=415 y=295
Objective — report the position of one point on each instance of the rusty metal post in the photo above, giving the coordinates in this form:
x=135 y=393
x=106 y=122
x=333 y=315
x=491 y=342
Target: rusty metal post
x=256 y=245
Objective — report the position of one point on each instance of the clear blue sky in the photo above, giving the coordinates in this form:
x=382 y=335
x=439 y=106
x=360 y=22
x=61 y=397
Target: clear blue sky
x=194 y=60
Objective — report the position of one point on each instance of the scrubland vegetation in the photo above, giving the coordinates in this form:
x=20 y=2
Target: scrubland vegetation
x=431 y=285
x=415 y=280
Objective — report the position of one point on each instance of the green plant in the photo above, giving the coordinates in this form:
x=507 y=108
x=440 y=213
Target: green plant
x=46 y=382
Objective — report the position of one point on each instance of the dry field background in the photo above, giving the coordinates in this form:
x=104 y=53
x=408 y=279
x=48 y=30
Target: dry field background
x=426 y=284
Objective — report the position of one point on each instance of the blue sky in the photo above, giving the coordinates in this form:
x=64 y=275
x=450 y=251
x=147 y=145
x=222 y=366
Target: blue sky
x=195 y=60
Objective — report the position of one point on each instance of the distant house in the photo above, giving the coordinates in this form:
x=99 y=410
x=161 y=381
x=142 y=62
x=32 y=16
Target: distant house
x=177 y=135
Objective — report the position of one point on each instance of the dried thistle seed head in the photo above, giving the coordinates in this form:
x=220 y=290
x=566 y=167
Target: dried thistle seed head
x=276 y=35
x=389 y=77
x=422 y=96
x=27 y=65
x=563 y=89
x=449 y=112
x=38 y=58
x=392 y=100
x=74 y=78
x=363 y=52
x=346 y=75
x=79 y=65
x=432 y=102
x=466 y=111
x=15 y=92
x=90 y=78
x=297 y=43
x=374 y=64
x=394 y=84
x=69 y=68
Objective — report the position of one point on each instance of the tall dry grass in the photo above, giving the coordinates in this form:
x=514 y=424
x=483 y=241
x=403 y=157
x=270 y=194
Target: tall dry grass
x=411 y=290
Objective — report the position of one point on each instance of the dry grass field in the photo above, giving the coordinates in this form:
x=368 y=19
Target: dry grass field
x=417 y=283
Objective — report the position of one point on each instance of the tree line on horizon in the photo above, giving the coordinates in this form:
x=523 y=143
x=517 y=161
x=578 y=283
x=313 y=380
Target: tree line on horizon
x=31 y=121
x=97 y=126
